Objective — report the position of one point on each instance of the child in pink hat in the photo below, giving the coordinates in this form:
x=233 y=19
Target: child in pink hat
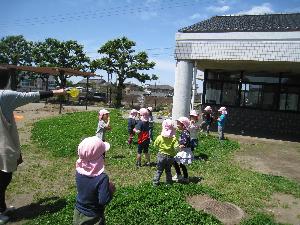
x=207 y=119
x=194 y=129
x=94 y=190
x=142 y=129
x=103 y=124
x=166 y=143
x=221 y=122
x=185 y=155
x=131 y=124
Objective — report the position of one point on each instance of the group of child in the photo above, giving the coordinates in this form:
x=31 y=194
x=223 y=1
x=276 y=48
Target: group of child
x=94 y=190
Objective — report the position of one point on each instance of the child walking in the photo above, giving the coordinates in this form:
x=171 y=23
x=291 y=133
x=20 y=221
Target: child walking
x=166 y=143
x=194 y=129
x=207 y=119
x=94 y=190
x=142 y=129
x=185 y=155
x=131 y=125
x=103 y=124
x=221 y=122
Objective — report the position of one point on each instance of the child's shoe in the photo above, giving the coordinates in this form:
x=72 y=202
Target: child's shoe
x=177 y=178
x=138 y=164
x=3 y=219
x=147 y=164
x=185 y=180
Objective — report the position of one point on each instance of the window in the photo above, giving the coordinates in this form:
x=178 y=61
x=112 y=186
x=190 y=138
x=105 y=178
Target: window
x=224 y=75
x=251 y=95
x=261 y=78
x=289 y=98
x=213 y=92
x=230 y=93
x=269 y=96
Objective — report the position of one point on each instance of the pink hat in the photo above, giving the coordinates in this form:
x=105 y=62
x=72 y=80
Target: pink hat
x=102 y=112
x=223 y=110
x=194 y=113
x=133 y=112
x=208 y=108
x=168 y=129
x=144 y=114
x=90 y=152
x=185 y=121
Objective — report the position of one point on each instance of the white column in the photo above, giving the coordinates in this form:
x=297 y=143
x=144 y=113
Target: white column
x=194 y=89
x=182 y=89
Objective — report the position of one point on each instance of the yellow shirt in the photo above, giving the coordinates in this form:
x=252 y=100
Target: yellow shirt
x=166 y=145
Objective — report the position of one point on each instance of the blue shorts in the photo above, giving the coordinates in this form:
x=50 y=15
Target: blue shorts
x=144 y=147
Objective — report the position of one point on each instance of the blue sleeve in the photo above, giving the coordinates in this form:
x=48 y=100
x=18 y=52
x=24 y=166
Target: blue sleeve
x=139 y=126
x=104 y=195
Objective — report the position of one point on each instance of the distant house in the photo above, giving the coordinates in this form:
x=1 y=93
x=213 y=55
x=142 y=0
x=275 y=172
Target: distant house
x=160 y=90
x=133 y=89
x=96 y=84
x=28 y=84
x=251 y=65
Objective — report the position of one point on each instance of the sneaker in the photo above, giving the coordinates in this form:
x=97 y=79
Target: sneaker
x=156 y=184
x=177 y=178
x=147 y=164
x=185 y=180
x=138 y=164
x=9 y=210
x=3 y=219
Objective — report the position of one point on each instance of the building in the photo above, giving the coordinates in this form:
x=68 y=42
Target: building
x=160 y=90
x=251 y=65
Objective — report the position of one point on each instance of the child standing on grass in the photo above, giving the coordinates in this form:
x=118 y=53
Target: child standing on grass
x=166 y=143
x=103 y=124
x=221 y=122
x=94 y=190
x=131 y=125
x=194 y=128
x=185 y=155
x=207 y=119
x=142 y=129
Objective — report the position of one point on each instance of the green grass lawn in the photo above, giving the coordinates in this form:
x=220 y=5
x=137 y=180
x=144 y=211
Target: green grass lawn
x=136 y=201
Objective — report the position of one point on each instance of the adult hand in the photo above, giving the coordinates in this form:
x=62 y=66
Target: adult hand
x=59 y=92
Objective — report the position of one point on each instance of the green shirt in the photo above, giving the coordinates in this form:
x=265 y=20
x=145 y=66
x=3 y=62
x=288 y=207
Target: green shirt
x=166 y=145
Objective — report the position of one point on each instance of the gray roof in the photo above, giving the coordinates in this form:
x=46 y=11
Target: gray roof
x=247 y=23
x=161 y=87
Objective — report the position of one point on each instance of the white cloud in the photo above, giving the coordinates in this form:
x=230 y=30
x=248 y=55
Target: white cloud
x=217 y=9
x=257 y=10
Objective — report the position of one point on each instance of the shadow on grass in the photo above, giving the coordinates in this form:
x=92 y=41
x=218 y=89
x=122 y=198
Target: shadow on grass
x=201 y=156
x=46 y=205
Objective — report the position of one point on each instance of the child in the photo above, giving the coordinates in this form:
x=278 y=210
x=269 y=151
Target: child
x=103 y=124
x=207 y=119
x=166 y=143
x=221 y=122
x=94 y=190
x=131 y=124
x=194 y=128
x=142 y=129
x=185 y=155
x=151 y=123
x=10 y=151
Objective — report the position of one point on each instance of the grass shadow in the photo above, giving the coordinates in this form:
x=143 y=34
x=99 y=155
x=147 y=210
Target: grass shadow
x=33 y=210
x=201 y=156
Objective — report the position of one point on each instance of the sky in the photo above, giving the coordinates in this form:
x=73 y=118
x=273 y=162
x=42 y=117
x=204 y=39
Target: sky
x=152 y=24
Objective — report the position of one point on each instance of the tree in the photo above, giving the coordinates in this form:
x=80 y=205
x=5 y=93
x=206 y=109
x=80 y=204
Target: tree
x=65 y=54
x=17 y=51
x=120 y=59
